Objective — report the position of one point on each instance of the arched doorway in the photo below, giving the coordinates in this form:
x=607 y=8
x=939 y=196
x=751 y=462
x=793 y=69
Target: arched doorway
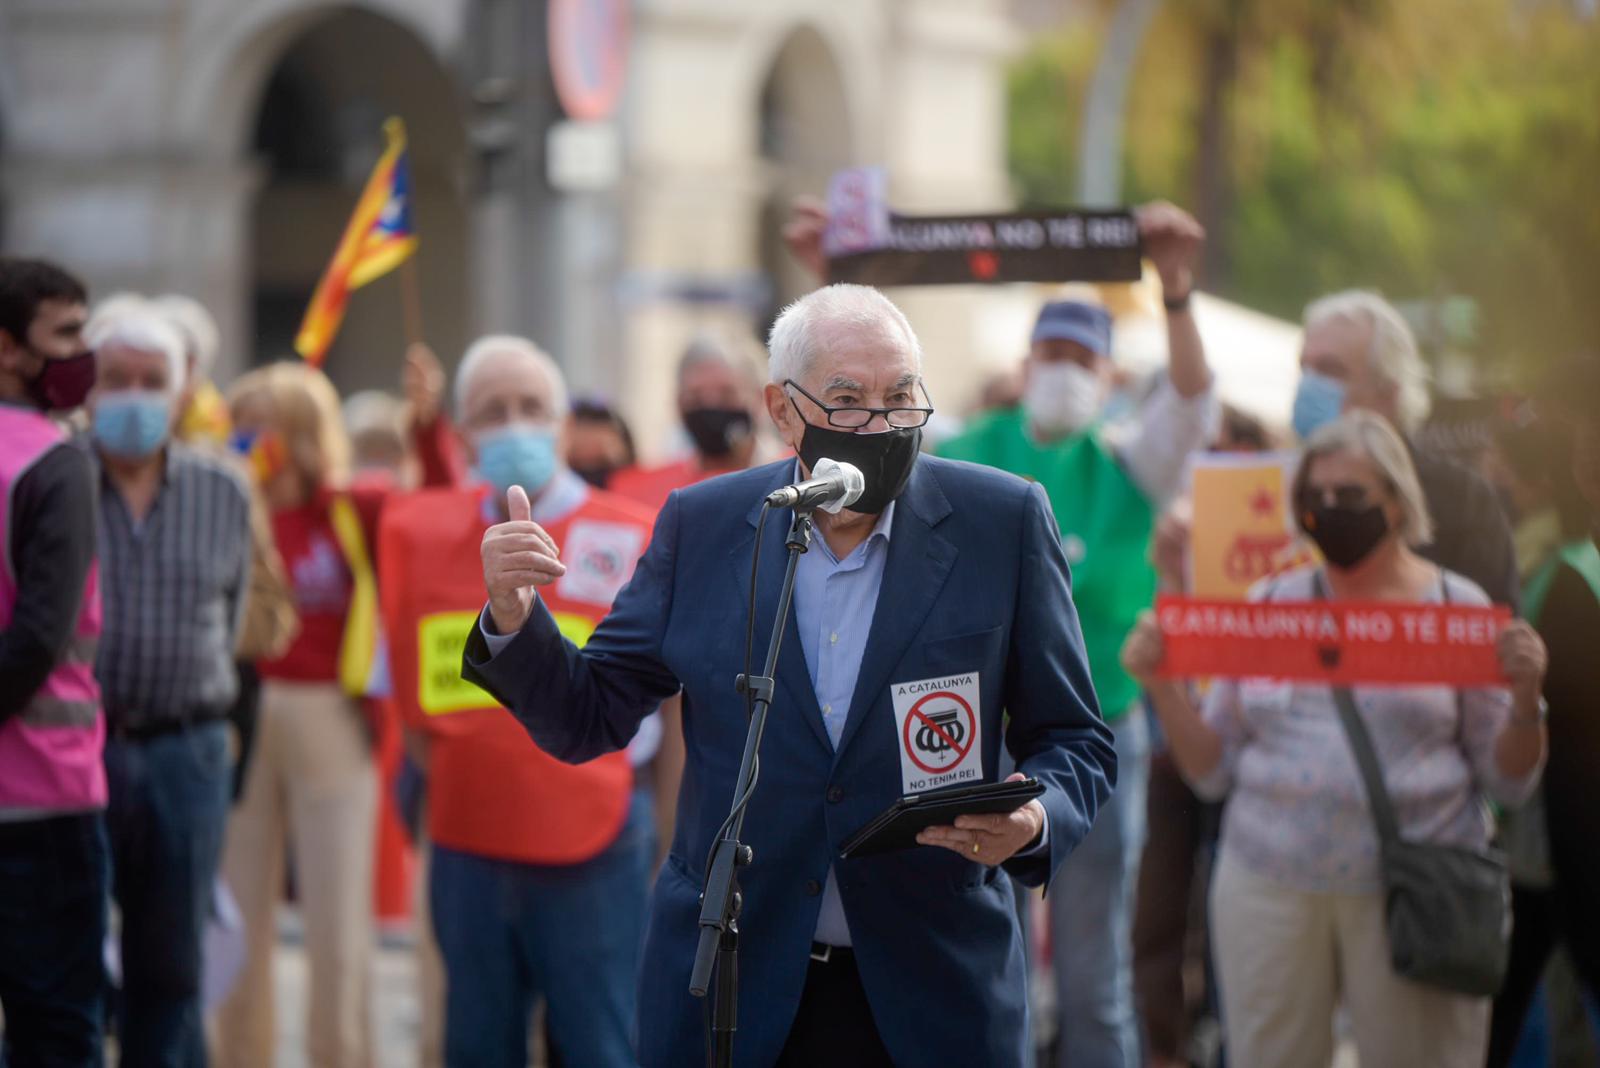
x=805 y=135
x=317 y=132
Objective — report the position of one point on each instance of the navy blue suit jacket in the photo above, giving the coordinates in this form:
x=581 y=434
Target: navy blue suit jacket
x=975 y=581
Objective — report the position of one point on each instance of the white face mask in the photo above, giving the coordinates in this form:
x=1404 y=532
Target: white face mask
x=1062 y=397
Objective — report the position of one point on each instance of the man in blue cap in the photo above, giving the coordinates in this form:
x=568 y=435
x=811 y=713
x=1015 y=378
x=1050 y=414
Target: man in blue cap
x=1106 y=488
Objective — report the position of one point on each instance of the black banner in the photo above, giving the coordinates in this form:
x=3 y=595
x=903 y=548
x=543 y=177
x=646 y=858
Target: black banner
x=940 y=250
x=867 y=243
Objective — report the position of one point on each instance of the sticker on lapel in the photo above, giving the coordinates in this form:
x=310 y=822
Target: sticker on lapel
x=599 y=559
x=941 y=736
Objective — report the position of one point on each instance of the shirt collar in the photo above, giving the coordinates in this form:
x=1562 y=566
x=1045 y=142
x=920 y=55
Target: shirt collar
x=169 y=455
x=883 y=528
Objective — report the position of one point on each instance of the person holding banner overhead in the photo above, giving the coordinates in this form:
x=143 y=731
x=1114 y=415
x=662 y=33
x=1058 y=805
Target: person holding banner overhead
x=933 y=621
x=1298 y=900
x=1106 y=489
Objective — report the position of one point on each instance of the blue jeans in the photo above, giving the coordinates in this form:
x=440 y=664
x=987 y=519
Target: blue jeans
x=510 y=933
x=53 y=875
x=1091 y=917
x=169 y=804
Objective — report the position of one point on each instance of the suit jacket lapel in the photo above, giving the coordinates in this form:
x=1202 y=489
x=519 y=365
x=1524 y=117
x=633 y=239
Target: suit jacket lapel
x=918 y=564
x=794 y=688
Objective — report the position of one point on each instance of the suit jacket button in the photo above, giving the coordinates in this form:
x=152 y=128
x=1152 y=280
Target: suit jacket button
x=813 y=887
x=835 y=794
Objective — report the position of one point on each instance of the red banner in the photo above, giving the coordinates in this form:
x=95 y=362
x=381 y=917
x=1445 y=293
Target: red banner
x=1339 y=642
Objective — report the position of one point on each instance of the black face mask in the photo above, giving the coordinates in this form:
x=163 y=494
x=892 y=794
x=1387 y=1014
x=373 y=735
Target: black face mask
x=1346 y=536
x=885 y=459
x=716 y=431
x=595 y=476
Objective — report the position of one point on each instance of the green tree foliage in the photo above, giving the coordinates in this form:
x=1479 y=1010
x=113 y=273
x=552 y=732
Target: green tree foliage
x=1426 y=148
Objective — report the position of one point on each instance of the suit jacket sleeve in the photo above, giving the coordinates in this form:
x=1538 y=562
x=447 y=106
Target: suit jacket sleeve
x=579 y=704
x=1055 y=733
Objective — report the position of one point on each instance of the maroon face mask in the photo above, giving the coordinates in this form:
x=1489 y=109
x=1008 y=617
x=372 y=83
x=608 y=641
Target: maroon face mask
x=65 y=383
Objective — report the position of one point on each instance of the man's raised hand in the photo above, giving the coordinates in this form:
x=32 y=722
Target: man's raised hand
x=808 y=221
x=1172 y=240
x=518 y=556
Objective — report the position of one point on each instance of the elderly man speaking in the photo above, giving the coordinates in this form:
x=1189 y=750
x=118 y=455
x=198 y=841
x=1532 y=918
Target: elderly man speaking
x=942 y=569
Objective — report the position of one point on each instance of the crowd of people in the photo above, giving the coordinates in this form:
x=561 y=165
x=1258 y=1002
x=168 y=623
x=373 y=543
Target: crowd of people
x=219 y=602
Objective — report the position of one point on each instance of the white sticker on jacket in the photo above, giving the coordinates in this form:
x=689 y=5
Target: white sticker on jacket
x=599 y=558
x=940 y=732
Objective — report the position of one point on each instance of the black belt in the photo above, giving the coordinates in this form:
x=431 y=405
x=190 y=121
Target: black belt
x=823 y=953
x=144 y=732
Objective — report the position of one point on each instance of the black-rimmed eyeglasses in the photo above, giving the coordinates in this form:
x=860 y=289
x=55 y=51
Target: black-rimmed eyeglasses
x=856 y=418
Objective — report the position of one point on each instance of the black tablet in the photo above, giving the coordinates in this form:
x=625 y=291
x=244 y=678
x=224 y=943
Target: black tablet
x=897 y=826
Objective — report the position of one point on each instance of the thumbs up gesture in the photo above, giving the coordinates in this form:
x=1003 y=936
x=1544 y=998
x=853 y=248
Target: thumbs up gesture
x=517 y=556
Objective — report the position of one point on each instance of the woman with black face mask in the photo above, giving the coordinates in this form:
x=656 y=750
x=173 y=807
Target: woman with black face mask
x=1297 y=906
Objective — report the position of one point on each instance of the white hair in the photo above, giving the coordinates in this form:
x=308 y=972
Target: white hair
x=1392 y=353
x=797 y=336
x=1369 y=434
x=487 y=348
x=372 y=410
x=199 y=329
x=134 y=323
x=736 y=350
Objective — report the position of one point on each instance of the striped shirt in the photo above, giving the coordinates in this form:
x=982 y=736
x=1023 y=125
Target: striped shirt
x=174 y=586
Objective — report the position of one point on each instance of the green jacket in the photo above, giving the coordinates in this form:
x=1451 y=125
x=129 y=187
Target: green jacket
x=1106 y=523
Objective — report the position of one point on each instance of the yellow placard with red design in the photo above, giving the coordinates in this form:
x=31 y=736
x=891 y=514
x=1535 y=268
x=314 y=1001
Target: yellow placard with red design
x=1243 y=530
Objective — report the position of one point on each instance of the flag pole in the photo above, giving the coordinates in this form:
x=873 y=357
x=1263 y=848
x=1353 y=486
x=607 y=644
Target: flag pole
x=411 y=300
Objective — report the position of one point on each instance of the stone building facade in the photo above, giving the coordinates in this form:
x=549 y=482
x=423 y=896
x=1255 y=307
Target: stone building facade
x=215 y=147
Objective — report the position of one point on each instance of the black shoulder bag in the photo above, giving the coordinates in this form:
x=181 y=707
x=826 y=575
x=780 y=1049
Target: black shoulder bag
x=1448 y=908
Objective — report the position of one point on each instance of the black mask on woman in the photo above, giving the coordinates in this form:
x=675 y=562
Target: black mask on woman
x=885 y=459
x=1346 y=536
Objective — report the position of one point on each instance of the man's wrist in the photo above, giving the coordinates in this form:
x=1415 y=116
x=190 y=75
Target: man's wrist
x=505 y=626
x=1044 y=821
x=1176 y=290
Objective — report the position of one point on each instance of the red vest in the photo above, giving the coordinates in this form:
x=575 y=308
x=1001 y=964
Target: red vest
x=491 y=791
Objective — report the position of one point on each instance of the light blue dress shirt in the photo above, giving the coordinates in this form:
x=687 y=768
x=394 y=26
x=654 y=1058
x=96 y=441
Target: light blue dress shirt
x=834 y=602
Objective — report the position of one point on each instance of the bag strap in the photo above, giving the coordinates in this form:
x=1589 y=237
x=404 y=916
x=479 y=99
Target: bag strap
x=1366 y=757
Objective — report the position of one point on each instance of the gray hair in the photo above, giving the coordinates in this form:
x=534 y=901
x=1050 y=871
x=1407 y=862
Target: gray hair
x=199 y=329
x=1392 y=353
x=487 y=348
x=134 y=323
x=797 y=336
x=736 y=350
x=1369 y=434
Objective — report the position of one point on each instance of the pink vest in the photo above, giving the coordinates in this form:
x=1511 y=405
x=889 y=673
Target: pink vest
x=50 y=753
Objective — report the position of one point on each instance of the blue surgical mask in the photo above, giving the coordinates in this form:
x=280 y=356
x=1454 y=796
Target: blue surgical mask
x=131 y=423
x=1318 y=401
x=517 y=455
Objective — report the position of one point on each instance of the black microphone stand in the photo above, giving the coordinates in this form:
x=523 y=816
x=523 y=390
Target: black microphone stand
x=721 y=901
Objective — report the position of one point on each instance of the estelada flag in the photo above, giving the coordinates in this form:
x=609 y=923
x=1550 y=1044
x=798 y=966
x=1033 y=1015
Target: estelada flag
x=377 y=239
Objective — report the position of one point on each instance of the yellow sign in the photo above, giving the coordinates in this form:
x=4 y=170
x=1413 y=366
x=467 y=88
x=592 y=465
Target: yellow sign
x=1243 y=530
x=440 y=639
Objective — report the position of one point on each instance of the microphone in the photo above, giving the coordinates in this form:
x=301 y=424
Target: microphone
x=833 y=486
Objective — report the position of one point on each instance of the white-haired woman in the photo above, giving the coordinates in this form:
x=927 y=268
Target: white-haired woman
x=1297 y=906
